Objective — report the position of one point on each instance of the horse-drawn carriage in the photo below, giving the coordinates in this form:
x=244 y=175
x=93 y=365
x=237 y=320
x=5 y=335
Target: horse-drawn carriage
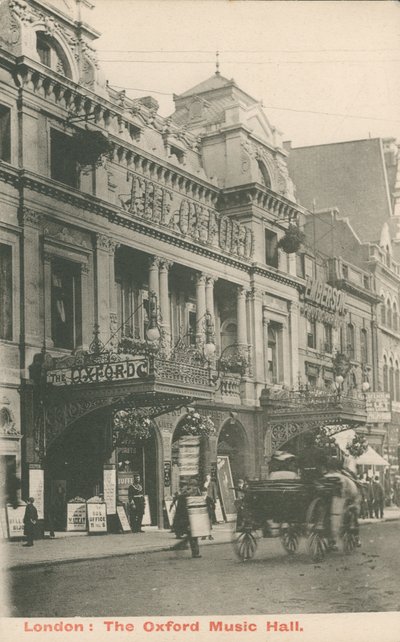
x=291 y=509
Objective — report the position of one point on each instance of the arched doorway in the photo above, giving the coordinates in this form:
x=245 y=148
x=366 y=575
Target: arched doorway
x=232 y=443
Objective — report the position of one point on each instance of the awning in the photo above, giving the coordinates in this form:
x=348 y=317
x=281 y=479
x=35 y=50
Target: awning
x=369 y=458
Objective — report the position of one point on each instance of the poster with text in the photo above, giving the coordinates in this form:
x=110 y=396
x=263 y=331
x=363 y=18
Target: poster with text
x=97 y=518
x=110 y=490
x=36 y=489
x=226 y=489
x=76 y=516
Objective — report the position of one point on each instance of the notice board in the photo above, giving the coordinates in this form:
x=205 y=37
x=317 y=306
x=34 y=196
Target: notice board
x=36 y=489
x=15 y=521
x=123 y=520
x=226 y=490
x=110 y=489
x=97 y=518
x=76 y=516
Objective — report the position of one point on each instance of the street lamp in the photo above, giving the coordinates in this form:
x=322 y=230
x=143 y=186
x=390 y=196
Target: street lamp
x=209 y=346
x=152 y=330
x=365 y=386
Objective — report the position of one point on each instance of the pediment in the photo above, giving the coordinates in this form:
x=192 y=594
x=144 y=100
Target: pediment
x=257 y=121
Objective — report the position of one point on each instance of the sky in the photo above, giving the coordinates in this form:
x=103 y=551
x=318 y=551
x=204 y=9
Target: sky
x=324 y=71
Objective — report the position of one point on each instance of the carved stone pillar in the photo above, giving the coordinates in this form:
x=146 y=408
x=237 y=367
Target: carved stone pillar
x=113 y=246
x=165 y=310
x=255 y=298
x=31 y=222
x=241 y=316
x=210 y=280
x=154 y=282
x=47 y=258
x=87 y=321
x=294 y=312
x=102 y=286
x=200 y=306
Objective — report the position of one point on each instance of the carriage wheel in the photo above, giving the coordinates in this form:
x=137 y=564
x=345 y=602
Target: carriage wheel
x=245 y=545
x=289 y=537
x=317 y=542
x=350 y=530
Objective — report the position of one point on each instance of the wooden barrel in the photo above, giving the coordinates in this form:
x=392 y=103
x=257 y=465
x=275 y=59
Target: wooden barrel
x=198 y=517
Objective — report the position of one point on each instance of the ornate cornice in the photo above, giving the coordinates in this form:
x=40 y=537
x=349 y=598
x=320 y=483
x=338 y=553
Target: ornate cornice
x=277 y=276
x=261 y=197
x=30 y=217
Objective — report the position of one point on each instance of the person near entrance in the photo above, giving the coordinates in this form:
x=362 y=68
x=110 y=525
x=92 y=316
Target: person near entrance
x=210 y=494
x=30 y=521
x=182 y=514
x=137 y=503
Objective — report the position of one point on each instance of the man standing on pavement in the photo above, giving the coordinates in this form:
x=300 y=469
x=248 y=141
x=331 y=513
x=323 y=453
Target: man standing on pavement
x=136 y=496
x=30 y=521
x=191 y=491
x=379 y=497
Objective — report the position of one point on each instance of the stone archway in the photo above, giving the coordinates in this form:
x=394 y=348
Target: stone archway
x=233 y=443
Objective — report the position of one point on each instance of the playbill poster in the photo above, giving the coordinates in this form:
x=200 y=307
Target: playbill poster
x=199 y=244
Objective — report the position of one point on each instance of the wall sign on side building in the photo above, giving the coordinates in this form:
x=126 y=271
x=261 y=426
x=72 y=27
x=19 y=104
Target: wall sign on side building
x=324 y=295
x=378 y=407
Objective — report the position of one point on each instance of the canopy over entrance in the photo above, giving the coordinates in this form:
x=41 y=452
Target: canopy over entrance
x=369 y=458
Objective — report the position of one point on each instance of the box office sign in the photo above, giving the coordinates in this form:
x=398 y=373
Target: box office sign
x=378 y=407
x=135 y=368
x=15 y=521
x=76 y=516
x=97 y=518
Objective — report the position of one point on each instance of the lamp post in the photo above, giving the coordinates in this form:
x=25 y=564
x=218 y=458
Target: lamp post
x=153 y=331
x=339 y=385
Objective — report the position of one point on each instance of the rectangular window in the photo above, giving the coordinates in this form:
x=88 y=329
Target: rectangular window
x=327 y=338
x=66 y=304
x=309 y=267
x=350 y=341
x=311 y=334
x=364 y=345
x=275 y=353
x=64 y=167
x=271 y=248
x=6 y=308
x=192 y=320
x=5 y=134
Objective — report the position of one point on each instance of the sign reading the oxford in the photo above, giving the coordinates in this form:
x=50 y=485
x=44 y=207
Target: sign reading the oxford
x=133 y=368
x=163 y=206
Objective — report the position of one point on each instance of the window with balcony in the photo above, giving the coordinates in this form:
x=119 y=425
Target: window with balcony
x=6 y=290
x=350 y=341
x=66 y=304
x=5 y=134
x=364 y=345
x=328 y=338
x=311 y=334
x=63 y=163
x=271 y=248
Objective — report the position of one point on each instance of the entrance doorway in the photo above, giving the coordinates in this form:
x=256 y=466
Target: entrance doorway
x=232 y=443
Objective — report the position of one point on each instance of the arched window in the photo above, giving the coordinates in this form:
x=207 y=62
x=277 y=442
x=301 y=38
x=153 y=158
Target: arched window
x=350 y=341
x=385 y=375
x=52 y=55
x=228 y=334
x=391 y=379
x=388 y=314
x=364 y=345
x=397 y=382
x=263 y=175
x=395 y=318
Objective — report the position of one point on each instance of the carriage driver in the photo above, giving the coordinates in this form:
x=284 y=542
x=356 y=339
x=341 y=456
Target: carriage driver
x=349 y=496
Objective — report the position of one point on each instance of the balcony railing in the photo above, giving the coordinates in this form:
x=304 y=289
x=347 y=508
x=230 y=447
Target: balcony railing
x=312 y=400
x=180 y=372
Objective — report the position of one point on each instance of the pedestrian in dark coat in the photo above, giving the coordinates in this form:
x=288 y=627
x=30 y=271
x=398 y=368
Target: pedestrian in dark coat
x=30 y=521
x=135 y=495
x=379 y=497
x=184 y=523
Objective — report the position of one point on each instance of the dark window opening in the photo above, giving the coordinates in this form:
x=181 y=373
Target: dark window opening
x=64 y=167
x=263 y=175
x=178 y=153
x=66 y=304
x=328 y=338
x=271 y=248
x=43 y=49
x=192 y=320
x=364 y=346
x=6 y=325
x=350 y=341
x=5 y=134
x=311 y=334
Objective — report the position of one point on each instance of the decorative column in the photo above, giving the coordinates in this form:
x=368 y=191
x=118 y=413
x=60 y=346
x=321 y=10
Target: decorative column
x=165 y=308
x=257 y=334
x=87 y=320
x=265 y=343
x=200 y=307
x=210 y=280
x=47 y=259
x=33 y=331
x=113 y=246
x=241 y=316
x=102 y=286
x=154 y=282
x=293 y=308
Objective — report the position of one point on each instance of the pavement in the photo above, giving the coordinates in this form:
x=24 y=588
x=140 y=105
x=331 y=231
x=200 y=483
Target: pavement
x=70 y=547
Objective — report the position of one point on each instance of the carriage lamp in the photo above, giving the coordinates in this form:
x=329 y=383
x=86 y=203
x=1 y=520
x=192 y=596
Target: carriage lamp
x=153 y=331
x=209 y=346
x=339 y=380
x=365 y=386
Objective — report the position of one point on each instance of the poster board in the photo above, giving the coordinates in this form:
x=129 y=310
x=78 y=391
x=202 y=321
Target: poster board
x=123 y=520
x=189 y=455
x=146 y=517
x=36 y=489
x=15 y=521
x=76 y=516
x=218 y=511
x=226 y=490
x=170 y=511
x=97 y=517
x=110 y=490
